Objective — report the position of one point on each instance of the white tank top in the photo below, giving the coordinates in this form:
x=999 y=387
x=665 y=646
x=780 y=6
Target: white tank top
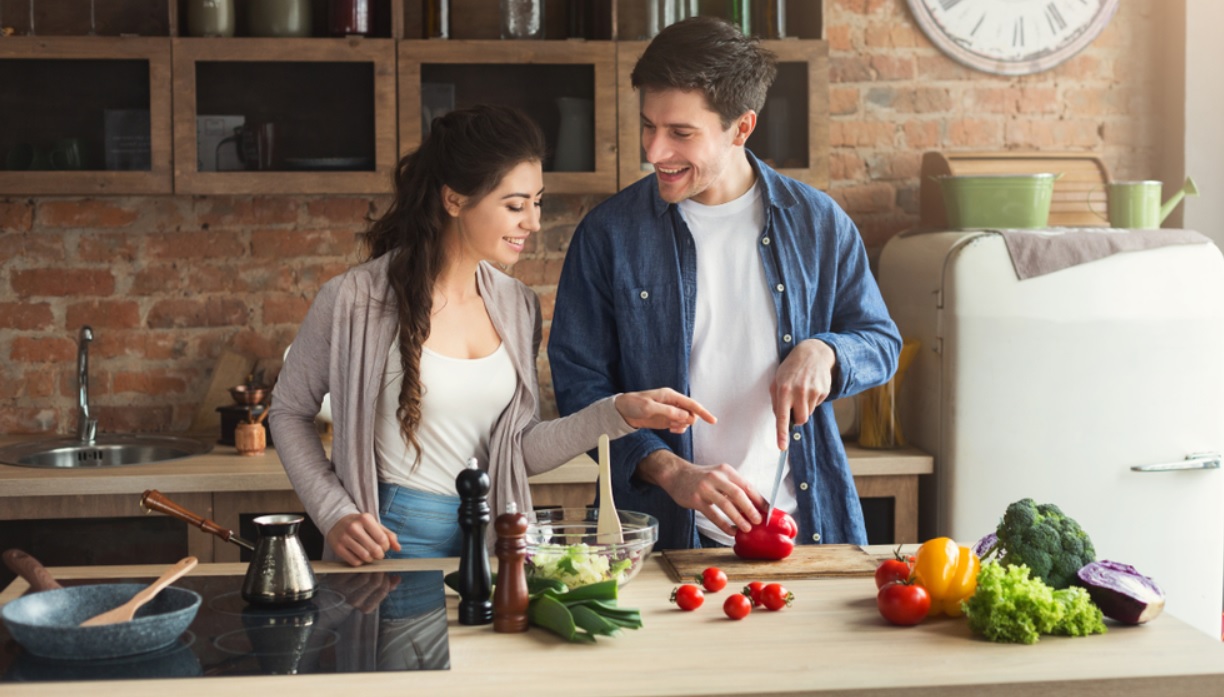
x=461 y=401
x=734 y=355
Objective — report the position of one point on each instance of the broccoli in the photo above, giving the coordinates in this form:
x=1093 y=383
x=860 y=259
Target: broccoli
x=1046 y=540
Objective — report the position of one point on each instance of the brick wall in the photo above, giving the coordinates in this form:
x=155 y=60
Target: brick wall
x=168 y=281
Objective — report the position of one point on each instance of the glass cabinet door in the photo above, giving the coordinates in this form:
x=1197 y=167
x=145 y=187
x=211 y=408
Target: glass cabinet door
x=567 y=87
x=84 y=115
x=284 y=115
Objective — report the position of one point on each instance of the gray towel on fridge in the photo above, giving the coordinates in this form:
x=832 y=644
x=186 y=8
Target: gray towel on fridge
x=1038 y=252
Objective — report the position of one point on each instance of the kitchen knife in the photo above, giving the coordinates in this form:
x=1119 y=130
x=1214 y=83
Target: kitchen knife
x=777 y=483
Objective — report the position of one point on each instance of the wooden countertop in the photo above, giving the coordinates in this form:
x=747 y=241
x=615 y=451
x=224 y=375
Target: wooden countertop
x=224 y=470
x=831 y=642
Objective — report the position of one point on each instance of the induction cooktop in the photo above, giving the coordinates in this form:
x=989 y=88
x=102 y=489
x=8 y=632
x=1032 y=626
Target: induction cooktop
x=356 y=622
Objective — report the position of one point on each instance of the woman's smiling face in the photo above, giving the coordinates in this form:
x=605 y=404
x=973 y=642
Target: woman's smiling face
x=496 y=227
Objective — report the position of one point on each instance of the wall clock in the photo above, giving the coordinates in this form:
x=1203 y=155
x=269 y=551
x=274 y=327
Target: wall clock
x=1012 y=37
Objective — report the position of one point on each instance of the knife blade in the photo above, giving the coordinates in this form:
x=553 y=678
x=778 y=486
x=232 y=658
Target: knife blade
x=773 y=499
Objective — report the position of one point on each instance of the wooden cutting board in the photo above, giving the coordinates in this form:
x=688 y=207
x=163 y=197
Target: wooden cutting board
x=807 y=561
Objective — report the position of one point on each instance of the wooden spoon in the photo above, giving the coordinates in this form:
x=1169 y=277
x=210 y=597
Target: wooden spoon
x=126 y=611
x=608 y=530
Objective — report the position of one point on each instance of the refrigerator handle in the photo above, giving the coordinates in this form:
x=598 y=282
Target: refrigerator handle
x=1193 y=461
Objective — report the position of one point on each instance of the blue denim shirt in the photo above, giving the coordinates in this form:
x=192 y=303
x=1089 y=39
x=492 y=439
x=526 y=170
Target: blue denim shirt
x=624 y=321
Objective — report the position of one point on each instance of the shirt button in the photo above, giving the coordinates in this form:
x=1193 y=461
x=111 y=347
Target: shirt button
x=797 y=435
x=786 y=338
x=765 y=241
x=803 y=486
x=780 y=287
x=644 y=295
x=816 y=537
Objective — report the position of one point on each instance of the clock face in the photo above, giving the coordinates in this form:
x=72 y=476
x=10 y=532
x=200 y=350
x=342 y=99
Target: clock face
x=1012 y=37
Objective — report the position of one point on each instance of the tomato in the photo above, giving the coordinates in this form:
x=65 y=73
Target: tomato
x=898 y=568
x=753 y=591
x=903 y=603
x=688 y=597
x=737 y=606
x=891 y=571
x=713 y=579
x=775 y=597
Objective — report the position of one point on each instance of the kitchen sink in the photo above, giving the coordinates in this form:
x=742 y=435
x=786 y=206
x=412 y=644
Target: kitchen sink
x=110 y=450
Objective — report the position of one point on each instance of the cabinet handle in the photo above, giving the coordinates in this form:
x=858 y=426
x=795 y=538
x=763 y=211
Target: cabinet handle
x=1193 y=461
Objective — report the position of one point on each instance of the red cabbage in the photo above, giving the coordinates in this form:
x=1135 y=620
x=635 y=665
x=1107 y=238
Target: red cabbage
x=986 y=544
x=1122 y=593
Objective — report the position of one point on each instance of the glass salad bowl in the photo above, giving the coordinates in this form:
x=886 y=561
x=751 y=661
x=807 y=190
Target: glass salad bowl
x=562 y=545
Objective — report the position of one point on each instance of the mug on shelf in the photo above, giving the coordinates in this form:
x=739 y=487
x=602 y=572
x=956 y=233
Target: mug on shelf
x=255 y=144
x=27 y=156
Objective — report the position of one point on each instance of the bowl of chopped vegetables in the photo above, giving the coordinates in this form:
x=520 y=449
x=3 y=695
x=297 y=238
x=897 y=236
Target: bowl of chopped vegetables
x=562 y=545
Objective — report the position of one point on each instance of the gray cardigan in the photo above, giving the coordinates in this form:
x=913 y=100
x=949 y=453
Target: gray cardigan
x=341 y=349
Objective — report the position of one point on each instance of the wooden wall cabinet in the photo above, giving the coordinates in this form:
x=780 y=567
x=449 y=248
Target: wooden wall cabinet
x=343 y=110
x=530 y=75
x=331 y=104
x=60 y=88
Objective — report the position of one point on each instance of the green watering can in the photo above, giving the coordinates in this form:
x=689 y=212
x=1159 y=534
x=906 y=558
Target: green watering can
x=1136 y=204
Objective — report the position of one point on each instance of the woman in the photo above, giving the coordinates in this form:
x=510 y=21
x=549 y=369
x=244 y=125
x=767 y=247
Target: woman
x=429 y=355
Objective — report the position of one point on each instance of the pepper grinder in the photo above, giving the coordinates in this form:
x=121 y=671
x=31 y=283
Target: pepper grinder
x=475 y=580
x=510 y=594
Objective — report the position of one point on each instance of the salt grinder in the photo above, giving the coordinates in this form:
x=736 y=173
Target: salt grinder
x=510 y=594
x=475 y=580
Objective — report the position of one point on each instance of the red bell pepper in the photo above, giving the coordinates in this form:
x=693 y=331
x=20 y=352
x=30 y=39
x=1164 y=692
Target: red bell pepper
x=773 y=539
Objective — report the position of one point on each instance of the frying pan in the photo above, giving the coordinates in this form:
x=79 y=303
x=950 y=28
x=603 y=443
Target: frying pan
x=46 y=622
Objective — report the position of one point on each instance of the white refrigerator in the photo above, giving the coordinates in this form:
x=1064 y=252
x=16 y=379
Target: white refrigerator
x=1099 y=388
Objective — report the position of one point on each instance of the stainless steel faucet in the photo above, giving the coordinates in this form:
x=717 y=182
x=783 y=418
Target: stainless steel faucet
x=87 y=428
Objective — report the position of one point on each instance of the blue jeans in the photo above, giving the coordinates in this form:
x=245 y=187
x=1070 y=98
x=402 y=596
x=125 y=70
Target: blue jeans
x=427 y=524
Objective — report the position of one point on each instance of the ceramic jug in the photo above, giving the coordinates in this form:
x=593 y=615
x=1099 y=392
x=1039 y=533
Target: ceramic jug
x=279 y=18
x=280 y=572
x=575 y=138
x=210 y=18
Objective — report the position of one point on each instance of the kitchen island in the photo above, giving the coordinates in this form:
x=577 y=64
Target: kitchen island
x=832 y=641
x=222 y=485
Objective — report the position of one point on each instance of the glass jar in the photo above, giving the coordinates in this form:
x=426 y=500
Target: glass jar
x=739 y=13
x=663 y=13
x=769 y=19
x=522 y=19
x=879 y=426
x=436 y=23
x=348 y=17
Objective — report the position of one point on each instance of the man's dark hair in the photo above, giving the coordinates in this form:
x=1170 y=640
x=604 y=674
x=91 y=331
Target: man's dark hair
x=710 y=55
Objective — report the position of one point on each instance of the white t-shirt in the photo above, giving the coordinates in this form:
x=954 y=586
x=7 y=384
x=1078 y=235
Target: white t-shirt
x=734 y=354
x=462 y=399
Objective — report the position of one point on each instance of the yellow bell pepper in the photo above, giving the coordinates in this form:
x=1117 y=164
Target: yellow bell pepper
x=948 y=572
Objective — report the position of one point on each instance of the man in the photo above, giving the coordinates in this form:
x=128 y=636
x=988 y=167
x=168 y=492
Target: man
x=725 y=280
